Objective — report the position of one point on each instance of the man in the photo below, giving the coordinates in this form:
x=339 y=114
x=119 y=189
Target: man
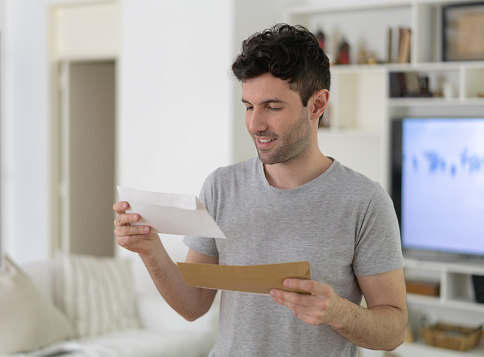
x=290 y=203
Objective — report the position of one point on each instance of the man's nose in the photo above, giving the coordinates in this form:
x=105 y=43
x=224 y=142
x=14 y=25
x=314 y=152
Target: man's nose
x=256 y=121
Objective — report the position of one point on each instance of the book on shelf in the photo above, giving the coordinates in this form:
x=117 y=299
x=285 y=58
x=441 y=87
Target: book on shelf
x=404 y=45
x=409 y=85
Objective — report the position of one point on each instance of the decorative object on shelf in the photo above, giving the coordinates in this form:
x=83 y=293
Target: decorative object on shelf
x=362 y=57
x=321 y=37
x=463 y=26
x=343 y=53
x=478 y=283
x=367 y=57
x=423 y=83
x=454 y=337
x=371 y=58
x=448 y=90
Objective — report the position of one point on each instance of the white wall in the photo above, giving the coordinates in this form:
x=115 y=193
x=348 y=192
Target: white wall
x=25 y=137
x=174 y=93
x=175 y=96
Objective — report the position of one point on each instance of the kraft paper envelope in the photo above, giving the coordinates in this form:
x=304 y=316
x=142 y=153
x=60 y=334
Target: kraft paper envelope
x=258 y=279
x=171 y=213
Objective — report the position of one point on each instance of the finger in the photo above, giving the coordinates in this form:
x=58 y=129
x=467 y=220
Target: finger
x=120 y=207
x=127 y=241
x=127 y=218
x=291 y=299
x=310 y=286
x=127 y=230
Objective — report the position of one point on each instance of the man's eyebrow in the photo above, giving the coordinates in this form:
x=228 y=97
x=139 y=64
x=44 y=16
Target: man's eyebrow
x=267 y=101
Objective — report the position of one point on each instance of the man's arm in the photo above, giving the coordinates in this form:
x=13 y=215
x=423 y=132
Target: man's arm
x=381 y=326
x=189 y=302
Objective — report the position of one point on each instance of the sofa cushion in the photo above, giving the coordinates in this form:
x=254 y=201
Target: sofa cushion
x=28 y=320
x=96 y=293
x=136 y=343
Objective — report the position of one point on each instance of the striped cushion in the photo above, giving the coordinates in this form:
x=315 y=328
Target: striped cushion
x=96 y=293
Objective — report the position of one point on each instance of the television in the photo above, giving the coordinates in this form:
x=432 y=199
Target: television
x=437 y=185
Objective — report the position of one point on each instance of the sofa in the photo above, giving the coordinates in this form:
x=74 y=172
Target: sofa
x=82 y=306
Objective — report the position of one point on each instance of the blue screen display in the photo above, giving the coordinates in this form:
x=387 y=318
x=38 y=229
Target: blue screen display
x=442 y=198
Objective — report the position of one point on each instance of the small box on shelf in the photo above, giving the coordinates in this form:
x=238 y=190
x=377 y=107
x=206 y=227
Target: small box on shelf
x=426 y=288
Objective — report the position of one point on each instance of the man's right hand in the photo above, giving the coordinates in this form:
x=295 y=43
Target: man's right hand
x=188 y=301
x=137 y=239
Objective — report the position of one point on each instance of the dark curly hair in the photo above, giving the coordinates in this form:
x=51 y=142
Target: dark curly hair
x=287 y=52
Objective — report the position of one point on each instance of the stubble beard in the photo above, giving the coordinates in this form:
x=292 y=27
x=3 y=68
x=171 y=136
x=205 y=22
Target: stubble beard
x=294 y=143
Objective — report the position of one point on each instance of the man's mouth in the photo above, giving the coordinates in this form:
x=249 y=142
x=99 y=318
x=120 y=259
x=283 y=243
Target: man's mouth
x=264 y=141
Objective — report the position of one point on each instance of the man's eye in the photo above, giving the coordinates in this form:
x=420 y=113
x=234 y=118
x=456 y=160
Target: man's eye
x=274 y=109
x=248 y=108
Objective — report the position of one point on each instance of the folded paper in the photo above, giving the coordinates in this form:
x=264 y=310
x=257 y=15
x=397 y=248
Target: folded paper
x=171 y=213
x=258 y=279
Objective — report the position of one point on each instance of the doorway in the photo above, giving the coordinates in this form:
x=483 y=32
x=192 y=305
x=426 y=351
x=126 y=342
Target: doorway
x=84 y=158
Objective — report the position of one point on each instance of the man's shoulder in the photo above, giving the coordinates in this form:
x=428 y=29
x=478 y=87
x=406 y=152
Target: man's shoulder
x=239 y=168
x=235 y=172
x=353 y=181
x=348 y=173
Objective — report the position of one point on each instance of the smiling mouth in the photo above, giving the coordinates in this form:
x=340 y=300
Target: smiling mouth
x=265 y=141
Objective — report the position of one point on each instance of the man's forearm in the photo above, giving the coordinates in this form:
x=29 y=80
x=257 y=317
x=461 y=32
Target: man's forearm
x=189 y=302
x=379 y=328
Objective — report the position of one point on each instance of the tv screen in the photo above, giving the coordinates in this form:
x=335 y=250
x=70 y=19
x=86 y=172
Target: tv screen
x=438 y=183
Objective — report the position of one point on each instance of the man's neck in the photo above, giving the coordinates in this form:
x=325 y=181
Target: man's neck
x=294 y=174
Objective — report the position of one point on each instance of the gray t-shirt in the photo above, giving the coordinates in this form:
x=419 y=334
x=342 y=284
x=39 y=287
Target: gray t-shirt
x=341 y=222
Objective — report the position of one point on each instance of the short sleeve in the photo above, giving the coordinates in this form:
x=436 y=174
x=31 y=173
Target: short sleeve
x=203 y=245
x=378 y=248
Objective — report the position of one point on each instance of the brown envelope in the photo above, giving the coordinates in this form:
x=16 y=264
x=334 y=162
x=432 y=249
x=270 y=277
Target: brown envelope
x=246 y=278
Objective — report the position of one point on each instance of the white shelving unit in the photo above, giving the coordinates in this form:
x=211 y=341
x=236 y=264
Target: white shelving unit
x=360 y=102
x=360 y=112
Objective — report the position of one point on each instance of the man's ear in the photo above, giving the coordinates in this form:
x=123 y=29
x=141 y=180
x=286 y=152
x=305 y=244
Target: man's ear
x=319 y=102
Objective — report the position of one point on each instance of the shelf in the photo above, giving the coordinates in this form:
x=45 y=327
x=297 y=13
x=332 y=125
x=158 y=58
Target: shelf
x=358 y=68
x=353 y=132
x=433 y=66
x=463 y=265
x=421 y=349
x=450 y=304
x=409 y=67
x=322 y=9
x=428 y=102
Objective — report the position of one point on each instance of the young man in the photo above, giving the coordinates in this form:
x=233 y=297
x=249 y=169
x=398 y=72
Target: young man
x=290 y=203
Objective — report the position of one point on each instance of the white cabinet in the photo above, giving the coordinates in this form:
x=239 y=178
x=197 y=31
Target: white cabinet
x=360 y=111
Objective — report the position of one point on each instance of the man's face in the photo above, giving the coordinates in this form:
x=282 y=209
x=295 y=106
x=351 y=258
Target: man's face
x=276 y=119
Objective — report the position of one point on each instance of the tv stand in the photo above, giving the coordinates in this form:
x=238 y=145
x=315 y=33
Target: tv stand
x=456 y=303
